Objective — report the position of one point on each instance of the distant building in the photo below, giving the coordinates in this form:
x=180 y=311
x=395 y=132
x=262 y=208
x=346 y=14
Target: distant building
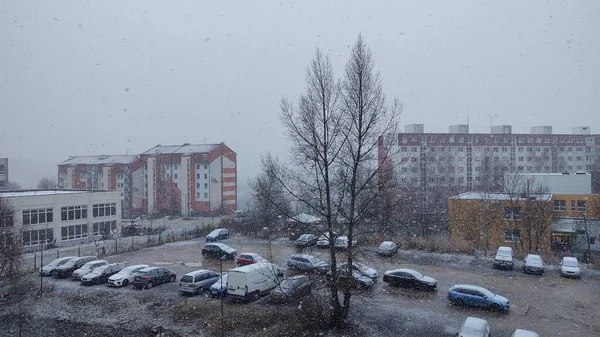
x=3 y=173
x=464 y=160
x=61 y=217
x=563 y=183
x=182 y=179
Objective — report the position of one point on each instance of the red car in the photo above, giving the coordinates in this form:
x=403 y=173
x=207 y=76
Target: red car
x=245 y=259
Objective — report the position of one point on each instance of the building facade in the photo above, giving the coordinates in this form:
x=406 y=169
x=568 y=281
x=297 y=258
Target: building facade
x=61 y=217
x=174 y=179
x=3 y=173
x=535 y=222
x=466 y=160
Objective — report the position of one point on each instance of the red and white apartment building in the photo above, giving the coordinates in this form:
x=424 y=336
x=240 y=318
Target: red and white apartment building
x=185 y=179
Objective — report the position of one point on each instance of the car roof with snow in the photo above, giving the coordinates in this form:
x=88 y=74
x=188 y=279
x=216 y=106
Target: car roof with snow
x=222 y=246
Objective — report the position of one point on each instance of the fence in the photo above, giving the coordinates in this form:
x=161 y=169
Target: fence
x=32 y=261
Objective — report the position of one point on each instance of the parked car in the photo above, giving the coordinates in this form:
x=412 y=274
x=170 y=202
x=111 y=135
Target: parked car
x=153 y=276
x=251 y=281
x=387 y=248
x=291 y=288
x=125 y=276
x=67 y=268
x=360 y=268
x=217 y=234
x=323 y=241
x=101 y=274
x=219 y=288
x=306 y=240
x=409 y=278
x=360 y=281
x=524 y=333
x=305 y=262
x=533 y=264
x=464 y=294
x=474 y=327
x=197 y=281
x=245 y=259
x=341 y=242
x=48 y=270
x=87 y=268
x=504 y=258
x=219 y=250
x=570 y=267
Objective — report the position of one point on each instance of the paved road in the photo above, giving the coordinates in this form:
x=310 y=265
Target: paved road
x=549 y=304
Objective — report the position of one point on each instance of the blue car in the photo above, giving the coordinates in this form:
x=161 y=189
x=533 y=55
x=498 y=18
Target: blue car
x=219 y=288
x=464 y=294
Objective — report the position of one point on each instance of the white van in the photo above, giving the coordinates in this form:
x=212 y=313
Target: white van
x=251 y=281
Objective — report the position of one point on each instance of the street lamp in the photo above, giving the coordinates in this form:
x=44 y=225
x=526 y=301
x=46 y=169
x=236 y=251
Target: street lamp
x=222 y=295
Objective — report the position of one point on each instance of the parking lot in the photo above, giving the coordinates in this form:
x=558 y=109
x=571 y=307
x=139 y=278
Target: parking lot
x=548 y=304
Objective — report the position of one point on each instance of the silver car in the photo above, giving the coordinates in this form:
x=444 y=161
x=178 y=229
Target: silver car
x=48 y=269
x=533 y=264
x=197 y=281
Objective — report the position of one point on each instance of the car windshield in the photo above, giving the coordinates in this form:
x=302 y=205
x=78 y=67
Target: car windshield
x=416 y=274
x=570 y=263
x=99 y=270
x=534 y=259
x=187 y=278
x=486 y=293
x=56 y=262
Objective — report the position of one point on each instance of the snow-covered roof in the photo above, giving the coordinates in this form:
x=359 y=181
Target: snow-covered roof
x=500 y=196
x=100 y=160
x=27 y=193
x=304 y=218
x=180 y=149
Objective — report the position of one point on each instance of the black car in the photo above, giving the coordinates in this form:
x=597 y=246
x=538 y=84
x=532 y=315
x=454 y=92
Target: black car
x=101 y=274
x=409 y=278
x=66 y=269
x=291 y=288
x=218 y=234
x=153 y=276
x=219 y=250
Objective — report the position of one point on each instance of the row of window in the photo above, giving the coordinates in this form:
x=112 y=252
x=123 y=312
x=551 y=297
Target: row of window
x=576 y=205
x=36 y=237
x=37 y=216
x=100 y=210
x=73 y=213
x=495 y=139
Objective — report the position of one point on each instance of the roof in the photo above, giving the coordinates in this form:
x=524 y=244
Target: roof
x=469 y=286
x=180 y=149
x=473 y=326
x=100 y=160
x=196 y=272
x=500 y=196
x=28 y=193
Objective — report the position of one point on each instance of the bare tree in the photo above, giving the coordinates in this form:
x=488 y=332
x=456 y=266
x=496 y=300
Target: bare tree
x=47 y=183
x=11 y=185
x=336 y=130
x=10 y=244
x=269 y=201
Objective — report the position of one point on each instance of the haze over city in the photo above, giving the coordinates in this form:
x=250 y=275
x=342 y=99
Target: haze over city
x=120 y=77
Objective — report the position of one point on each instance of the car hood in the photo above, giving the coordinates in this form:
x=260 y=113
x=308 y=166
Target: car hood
x=429 y=280
x=370 y=272
x=81 y=272
x=117 y=276
x=45 y=268
x=534 y=264
x=503 y=258
x=500 y=299
x=569 y=268
x=90 y=276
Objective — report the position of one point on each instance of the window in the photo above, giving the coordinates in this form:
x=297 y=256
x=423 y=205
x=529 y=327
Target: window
x=36 y=237
x=2 y=169
x=520 y=158
x=512 y=235
x=37 y=216
x=205 y=185
x=560 y=205
x=174 y=175
x=403 y=149
x=104 y=227
x=206 y=195
x=74 y=232
x=511 y=213
x=73 y=213
x=205 y=175
x=100 y=210
x=581 y=205
x=413 y=149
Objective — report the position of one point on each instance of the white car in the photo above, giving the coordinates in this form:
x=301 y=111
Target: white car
x=361 y=269
x=474 y=327
x=525 y=333
x=125 y=276
x=388 y=248
x=342 y=242
x=570 y=267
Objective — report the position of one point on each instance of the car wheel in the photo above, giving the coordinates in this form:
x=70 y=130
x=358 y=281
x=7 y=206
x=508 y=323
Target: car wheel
x=125 y=283
x=255 y=296
x=172 y=278
x=149 y=285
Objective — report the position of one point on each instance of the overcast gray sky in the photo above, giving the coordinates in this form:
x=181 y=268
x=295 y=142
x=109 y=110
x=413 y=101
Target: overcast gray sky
x=117 y=77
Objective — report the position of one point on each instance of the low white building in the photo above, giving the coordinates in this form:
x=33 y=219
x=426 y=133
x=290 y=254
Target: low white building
x=62 y=217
